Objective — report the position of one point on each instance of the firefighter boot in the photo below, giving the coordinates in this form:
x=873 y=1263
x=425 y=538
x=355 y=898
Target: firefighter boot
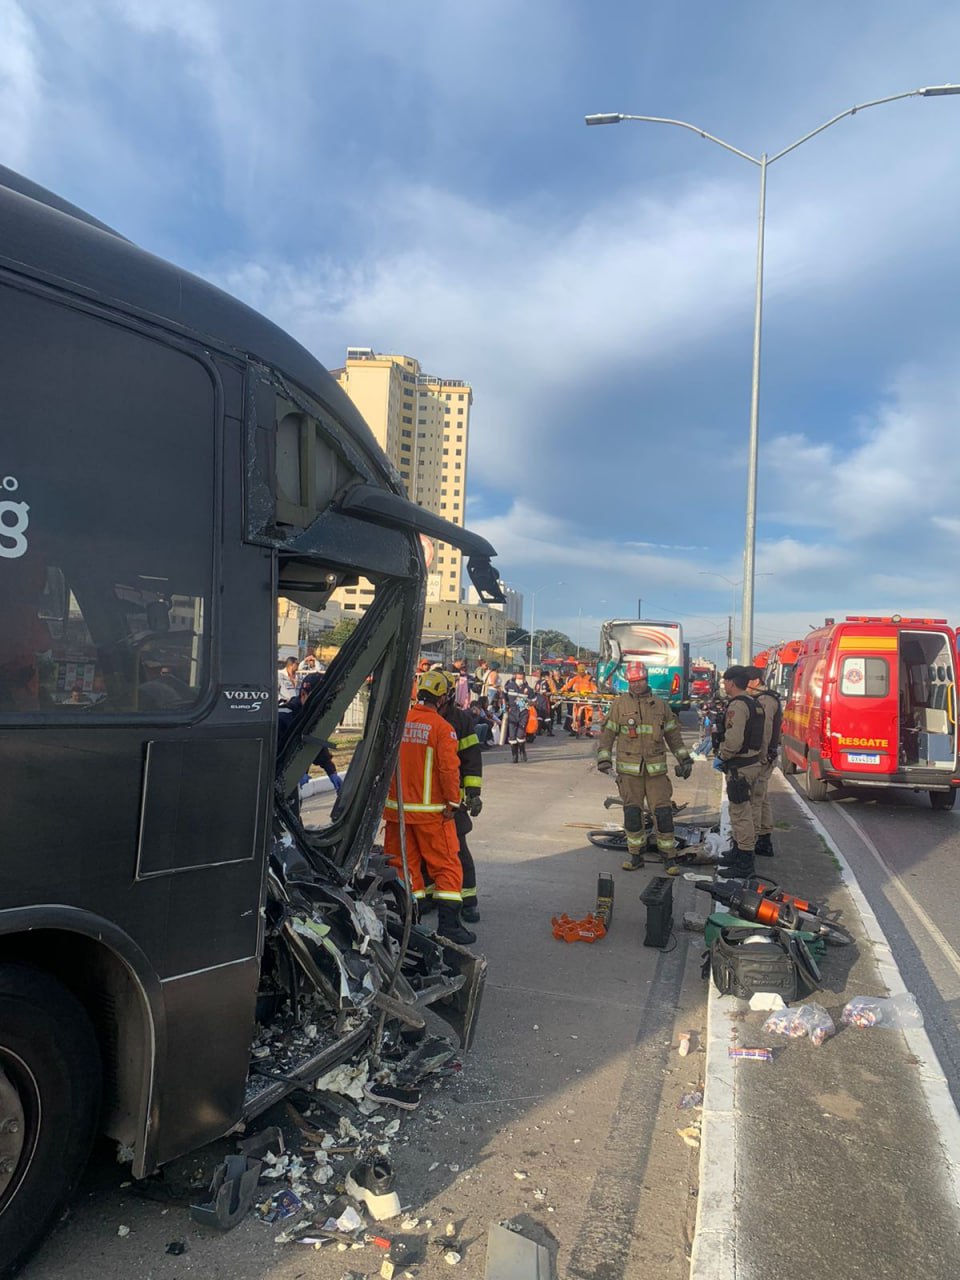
x=764 y=846
x=470 y=911
x=514 y=752
x=633 y=863
x=449 y=926
x=738 y=864
x=523 y=752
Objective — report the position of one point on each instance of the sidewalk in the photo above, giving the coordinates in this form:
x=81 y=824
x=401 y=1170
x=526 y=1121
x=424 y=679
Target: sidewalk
x=836 y=1163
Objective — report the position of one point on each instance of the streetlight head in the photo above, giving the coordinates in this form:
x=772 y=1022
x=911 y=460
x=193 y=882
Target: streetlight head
x=610 y=117
x=939 y=90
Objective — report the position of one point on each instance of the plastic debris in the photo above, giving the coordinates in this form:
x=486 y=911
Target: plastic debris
x=882 y=1011
x=520 y=1174
x=345 y=1079
x=692 y=1099
x=690 y=1135
x=766 y=1001
x=686 y=1039
x=409 y=1224
x=452 y=1257
x=349 y=1220
x=590 y=929
x=123 y=1232
x=810 y=1020
x=757 y=1055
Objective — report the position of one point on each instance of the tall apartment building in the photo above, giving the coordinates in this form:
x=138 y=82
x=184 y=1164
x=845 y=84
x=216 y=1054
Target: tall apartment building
x=423 y=425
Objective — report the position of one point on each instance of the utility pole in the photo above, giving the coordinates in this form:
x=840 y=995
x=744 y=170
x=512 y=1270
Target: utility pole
x=640 y=608
x=729 y=638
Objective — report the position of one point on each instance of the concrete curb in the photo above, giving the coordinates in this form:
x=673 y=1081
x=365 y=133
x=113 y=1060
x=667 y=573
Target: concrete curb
x=714 y=1252
x=933 y=1081
x=316 y=787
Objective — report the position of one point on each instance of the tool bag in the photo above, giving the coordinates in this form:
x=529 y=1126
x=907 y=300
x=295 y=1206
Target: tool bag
x=745 y=961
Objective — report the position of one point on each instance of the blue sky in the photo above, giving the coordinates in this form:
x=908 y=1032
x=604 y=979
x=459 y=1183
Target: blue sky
x=416 y=176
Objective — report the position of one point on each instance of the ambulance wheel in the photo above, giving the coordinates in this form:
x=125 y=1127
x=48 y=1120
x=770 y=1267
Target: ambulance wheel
x=816 y=788
x=786 y=764
x=943 y=799
x=49 y=1103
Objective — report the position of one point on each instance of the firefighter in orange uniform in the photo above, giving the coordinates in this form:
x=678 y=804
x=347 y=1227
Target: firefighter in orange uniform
x=430 y=776
x=582 y=685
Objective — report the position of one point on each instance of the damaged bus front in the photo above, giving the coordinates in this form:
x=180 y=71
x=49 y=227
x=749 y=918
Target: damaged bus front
x=175 y=465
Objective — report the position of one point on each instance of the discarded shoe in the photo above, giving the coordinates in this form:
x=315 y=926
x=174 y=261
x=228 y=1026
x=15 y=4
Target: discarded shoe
x=372 y=1184
x=393 y=1095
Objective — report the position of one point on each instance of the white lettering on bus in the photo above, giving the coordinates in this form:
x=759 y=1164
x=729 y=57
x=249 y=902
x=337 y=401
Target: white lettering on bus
x=14 y=520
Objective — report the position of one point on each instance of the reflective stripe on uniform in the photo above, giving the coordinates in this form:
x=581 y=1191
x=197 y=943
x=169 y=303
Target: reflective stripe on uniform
x=683 y=754
x=637 y=728
x=604 y=755
x=666 y=843
x=636 y=842
x=470 y=893
x=448 y=895
x=417 y=808
x=668 y=725
x=656 y=766
x=624 y=766
x=428 y=780
x=469 y=780
x=470 y=741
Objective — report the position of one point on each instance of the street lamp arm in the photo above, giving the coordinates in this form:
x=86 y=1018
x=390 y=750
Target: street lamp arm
x=931 y=91
x=683 y=124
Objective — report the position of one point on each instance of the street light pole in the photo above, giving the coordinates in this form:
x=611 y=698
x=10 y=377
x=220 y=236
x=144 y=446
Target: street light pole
x=763 y=162
x=533 y=616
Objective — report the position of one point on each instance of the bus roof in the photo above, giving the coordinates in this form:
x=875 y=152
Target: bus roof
x=52 y=241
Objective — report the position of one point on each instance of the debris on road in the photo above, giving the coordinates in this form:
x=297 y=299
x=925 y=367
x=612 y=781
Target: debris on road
x=810 y=1020
x=757 y=1055
x=590 y=929
x=882 y=1011
x=511 y=1253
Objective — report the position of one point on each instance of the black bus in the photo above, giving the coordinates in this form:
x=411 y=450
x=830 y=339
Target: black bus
x=171 y=464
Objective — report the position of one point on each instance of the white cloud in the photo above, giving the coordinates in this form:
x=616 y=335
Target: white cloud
x=20 y=83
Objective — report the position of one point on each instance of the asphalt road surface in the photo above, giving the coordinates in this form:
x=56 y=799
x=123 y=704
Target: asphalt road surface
x=906 y=857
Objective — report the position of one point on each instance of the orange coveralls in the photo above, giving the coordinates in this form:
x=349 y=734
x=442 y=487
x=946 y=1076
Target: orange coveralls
x=430 y=774
x=580 y=686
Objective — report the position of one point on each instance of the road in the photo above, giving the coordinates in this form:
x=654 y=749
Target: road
x=906 y=857
x=564 y=1119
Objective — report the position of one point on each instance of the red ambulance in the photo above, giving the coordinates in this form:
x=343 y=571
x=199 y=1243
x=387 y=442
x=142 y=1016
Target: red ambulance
x=873 y=704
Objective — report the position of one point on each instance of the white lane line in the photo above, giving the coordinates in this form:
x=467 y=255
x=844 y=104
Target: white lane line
x=933 y=1080
x=948 y=953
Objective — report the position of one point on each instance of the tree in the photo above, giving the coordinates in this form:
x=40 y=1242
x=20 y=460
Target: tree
x=341 y=633
x=555 y=643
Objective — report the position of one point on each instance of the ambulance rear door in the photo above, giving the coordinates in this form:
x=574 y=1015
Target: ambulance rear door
x=864 y=715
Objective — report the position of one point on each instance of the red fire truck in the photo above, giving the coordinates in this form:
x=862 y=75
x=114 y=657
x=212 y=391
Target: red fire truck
x=873 y=703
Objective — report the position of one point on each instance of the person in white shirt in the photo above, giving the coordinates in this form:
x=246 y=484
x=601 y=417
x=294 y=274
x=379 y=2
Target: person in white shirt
x=287 y=683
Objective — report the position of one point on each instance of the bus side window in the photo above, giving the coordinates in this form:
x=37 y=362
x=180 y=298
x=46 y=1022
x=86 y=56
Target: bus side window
x=106 y=606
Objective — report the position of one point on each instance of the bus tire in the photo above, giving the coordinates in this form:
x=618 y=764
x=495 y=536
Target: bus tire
x=786 y=765
x=815 y=787
x=943 y=799
x=50 y=1079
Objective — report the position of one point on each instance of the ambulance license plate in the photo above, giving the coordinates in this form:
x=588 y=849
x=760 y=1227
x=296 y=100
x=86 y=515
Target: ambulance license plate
x=863 y=757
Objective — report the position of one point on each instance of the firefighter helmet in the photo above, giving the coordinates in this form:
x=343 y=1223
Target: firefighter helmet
x=433 y=683
x=635 y=671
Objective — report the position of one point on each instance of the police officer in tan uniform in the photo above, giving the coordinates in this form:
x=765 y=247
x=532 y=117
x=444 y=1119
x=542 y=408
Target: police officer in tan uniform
x=740 y=755
x=642 y=726
x=769 y=704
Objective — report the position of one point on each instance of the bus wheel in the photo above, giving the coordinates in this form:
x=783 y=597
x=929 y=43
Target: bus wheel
x=816 y=788
x=49 y=1101
x=943 y=799
x=786 y=765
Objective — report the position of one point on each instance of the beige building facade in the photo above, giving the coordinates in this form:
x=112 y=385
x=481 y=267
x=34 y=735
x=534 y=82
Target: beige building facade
x=477 y=623
x=422 y=423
